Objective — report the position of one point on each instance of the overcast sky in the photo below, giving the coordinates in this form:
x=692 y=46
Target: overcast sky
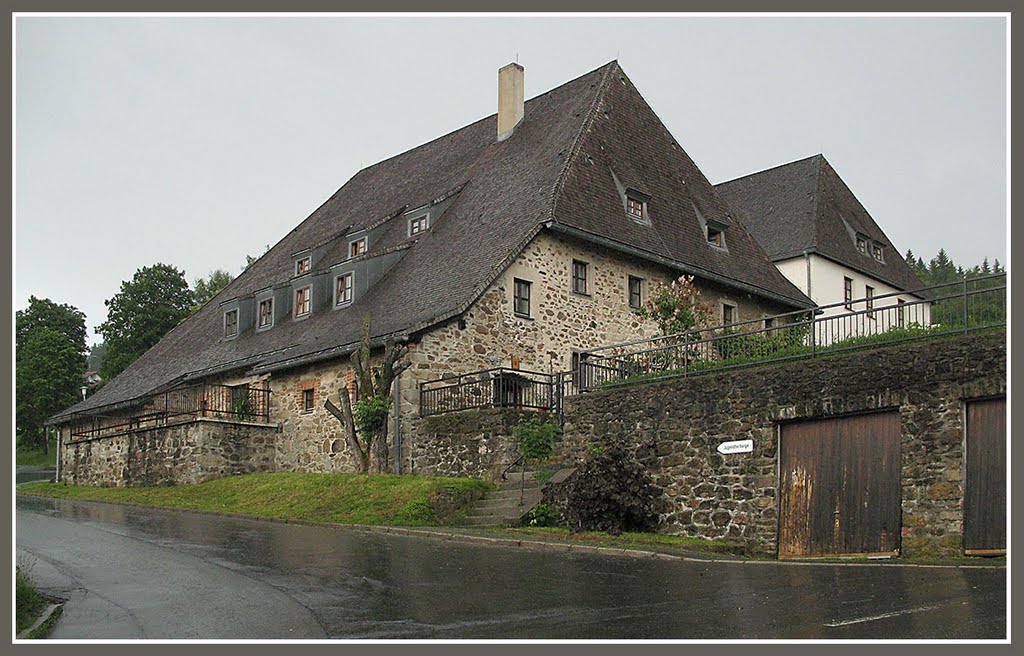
x=197 y=141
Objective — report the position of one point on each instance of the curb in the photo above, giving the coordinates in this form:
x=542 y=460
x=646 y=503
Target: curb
x=532 y=545
x=43 y=619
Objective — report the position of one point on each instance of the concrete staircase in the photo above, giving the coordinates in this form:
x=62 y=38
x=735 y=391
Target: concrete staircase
x=505 y=505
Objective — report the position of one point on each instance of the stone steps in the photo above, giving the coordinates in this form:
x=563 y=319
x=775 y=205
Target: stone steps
x=502 y=506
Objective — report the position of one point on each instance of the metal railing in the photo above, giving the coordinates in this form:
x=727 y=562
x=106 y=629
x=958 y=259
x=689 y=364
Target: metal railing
x=177 y=406
x=963 y=306
x=490 y=388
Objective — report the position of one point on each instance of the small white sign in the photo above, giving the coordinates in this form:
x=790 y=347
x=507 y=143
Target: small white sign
x=739 y=446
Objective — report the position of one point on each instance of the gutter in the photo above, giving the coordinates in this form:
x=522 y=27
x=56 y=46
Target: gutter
x=674 y=264
x=326 y=354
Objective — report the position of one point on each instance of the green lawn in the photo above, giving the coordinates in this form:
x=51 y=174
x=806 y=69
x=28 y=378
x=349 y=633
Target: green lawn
x=338 y=498
x=36 y=457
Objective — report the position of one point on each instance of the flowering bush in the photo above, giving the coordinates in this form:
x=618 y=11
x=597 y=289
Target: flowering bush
x=676 y=307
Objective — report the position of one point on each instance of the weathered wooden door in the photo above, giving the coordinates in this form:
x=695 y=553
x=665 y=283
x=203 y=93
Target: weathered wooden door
x=839 y=486
x=985 y=478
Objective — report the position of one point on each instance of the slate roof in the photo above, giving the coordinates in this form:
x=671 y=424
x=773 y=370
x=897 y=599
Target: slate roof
x=554 y=173
x=802 y=206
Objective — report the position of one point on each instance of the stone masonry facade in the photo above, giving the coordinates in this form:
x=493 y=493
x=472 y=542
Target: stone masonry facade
x=192 y=452
x=674 y=427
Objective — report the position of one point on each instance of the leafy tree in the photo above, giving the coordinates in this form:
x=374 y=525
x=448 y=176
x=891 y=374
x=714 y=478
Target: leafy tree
x=155 y=300
x=368 y=419
x=65 y=319
x=48 y=376
x=208 y=287
x=95 y=358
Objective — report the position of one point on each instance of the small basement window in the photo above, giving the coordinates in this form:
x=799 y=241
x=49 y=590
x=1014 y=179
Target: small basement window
x=308 y=400
x=266 y=313
x=302 y=266
x=357 y=247
x=343 y=289
x=580 y=270
x=521 y=297
x=302 y=301
x=419 y=224
x=231 y=324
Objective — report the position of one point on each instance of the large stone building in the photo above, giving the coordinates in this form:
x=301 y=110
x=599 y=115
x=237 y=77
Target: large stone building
x=518 y=241
x=826 y=243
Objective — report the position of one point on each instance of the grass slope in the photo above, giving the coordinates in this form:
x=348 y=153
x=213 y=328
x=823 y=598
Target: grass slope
x=28 y=603
x=338 y=498
x=35 y=458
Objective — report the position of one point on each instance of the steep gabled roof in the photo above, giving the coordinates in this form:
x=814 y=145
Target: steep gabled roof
x=804 y=206
x=502 y=194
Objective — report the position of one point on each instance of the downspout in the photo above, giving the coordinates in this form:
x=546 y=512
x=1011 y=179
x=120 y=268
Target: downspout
x=60 y=441
x=397 y=392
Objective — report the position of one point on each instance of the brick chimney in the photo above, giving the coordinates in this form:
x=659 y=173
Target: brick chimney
x=510 y=99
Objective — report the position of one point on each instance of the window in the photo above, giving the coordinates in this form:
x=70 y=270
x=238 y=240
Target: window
x=302 y=266
x=343 y=289
x=419 y=224
x=521 y=299
x=869 y=300
x=636 y=286
x=302 y=301
x=728 y=314
x=231 y=323
x=862 y=244
x=769 y=322
x=579 y=276
x=899 y=311
x=848 y=293
x=308 y=399
x=635 y=208
x=266 y=312
x=716 y=236
x=876 y=252
x=357 y=247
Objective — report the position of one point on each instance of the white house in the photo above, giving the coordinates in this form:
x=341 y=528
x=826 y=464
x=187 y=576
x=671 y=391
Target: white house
x=823 y=240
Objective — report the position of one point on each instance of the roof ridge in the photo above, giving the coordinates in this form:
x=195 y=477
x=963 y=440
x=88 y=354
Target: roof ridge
x=770 y=168
x=577 y=142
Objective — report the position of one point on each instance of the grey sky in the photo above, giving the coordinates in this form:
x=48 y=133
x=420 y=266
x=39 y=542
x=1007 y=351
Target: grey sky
x=196 y=141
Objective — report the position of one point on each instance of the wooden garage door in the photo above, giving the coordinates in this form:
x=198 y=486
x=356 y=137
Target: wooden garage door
x=839 y=486
x=985 y=493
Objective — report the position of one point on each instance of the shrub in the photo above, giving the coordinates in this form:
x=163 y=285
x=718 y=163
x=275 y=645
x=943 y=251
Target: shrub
x=611 y=492
x=537 y=437
x=542 y=515
x=676 y=307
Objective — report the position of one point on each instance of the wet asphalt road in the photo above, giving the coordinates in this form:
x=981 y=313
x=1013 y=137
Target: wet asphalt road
x=147 y=573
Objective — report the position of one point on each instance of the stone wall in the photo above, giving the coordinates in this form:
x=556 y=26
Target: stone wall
x=473 y=443
x=675 y=426
x=194 y=452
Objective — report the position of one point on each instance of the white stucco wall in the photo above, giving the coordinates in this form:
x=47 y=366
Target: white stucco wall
x=826 y=288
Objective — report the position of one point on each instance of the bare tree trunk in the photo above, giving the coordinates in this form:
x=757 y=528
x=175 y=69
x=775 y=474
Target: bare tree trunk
x=344 y=415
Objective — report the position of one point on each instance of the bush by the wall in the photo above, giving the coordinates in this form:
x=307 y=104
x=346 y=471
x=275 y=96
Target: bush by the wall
x=611 y=492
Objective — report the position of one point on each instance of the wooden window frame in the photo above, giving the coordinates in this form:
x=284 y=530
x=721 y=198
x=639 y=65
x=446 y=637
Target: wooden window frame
x=350 y=288
x=421 y=220
x=308 y=302
x=848 y=293
x=517 y=298
x=630 y=280
x=303 y=265
x=365 y=247
x=259 y=314
x=733 y=311
x=310 y=394
x=228 y=313
x=580 y=283
x=869 y=301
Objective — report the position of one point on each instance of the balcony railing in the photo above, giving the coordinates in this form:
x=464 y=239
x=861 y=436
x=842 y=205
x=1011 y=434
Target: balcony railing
x=180 y=405
x=960 y=307
x=490 y=388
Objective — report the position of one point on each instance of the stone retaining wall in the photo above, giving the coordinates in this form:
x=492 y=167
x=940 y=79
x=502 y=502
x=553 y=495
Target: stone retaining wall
x=675 y=426
x=473 y=443
x=193 y=452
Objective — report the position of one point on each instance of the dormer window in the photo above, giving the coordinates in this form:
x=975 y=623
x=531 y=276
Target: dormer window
x=302 y=301
x=635 y=207
x=230 y=324
x=419 y=224
x=876 y=252
x=716 y=235
x=302 y=266
x=343 y=289
x=357 y=247
x=862 y=244
x=266 y=313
